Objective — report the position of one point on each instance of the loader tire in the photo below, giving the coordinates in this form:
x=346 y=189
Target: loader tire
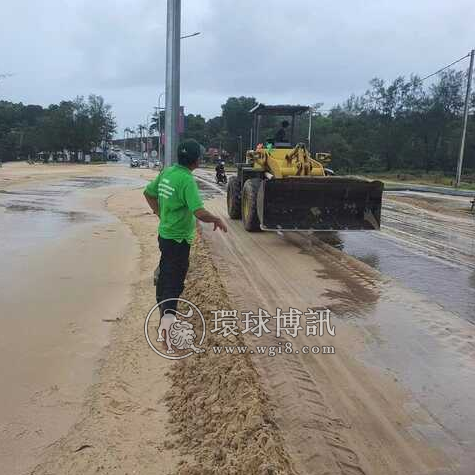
x=250 y=218
x=233 y=198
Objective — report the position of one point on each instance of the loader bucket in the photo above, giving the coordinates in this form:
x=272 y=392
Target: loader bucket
x=320 y=204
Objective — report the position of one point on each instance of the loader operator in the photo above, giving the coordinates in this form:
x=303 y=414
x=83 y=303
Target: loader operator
x=174 y=197
x=280 y=136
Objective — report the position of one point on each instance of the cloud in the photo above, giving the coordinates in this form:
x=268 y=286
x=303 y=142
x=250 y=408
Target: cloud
x=301 y=51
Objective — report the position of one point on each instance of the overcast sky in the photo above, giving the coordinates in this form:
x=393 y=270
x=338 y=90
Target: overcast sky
x=293 y=51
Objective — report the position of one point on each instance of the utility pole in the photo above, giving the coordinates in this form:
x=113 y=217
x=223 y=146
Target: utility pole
x=465 y=118
x=240 y=148
x=147 y=134
x=172 y=82
x=141 y=141
x=309 y=138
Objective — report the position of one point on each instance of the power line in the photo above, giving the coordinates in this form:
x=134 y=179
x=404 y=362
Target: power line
x=445 y=67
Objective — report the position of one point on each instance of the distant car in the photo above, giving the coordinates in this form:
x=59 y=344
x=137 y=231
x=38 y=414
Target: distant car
x=128 y=153
x=134 y=163
x=144 y=163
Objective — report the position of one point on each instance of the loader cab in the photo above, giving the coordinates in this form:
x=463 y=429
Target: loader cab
x=270 y=121
x=282 y=188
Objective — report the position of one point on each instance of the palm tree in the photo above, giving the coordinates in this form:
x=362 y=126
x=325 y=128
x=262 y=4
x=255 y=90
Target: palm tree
x=127 y=130
x=154 y=122
x=141 y=128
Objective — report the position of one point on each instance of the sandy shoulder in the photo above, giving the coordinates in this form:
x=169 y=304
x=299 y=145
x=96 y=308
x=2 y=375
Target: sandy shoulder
x=57 y=296
x=123 y=424
x=203 y=415
x=19 y=173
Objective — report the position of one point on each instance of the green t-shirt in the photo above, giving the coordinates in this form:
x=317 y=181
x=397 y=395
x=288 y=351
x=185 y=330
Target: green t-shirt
x=178 y=198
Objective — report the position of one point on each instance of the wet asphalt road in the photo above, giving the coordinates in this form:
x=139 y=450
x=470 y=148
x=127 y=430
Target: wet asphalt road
x=414 y=317
x=428 y=252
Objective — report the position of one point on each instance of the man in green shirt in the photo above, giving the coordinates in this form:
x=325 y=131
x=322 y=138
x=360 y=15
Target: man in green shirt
x=174 y=197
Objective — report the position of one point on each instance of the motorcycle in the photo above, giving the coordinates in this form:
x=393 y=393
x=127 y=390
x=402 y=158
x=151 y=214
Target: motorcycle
x=221 y=177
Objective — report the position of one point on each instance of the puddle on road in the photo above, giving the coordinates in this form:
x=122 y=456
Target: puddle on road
x=451 y=286
x=39 y=214
x=34 y=192
x=430 y=353
x=74 y=216
x=407 y=331
x=97 y=182
x=47 y=207
x=407 y=326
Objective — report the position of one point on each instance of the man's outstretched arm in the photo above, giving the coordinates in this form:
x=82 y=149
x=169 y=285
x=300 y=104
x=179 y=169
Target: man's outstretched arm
x=153 y=203
x=208 y=217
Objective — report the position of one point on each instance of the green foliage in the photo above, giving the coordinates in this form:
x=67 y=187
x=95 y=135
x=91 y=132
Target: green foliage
x=398 y=125
x=195 y=126
x=237 y=121
x=77 y=125
x=223 y=131
x=154 y=123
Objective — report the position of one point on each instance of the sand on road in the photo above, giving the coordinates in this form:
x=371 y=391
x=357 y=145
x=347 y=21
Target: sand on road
x=395 y=398
x=57 y=296
x=387 y=401
x=145 y=414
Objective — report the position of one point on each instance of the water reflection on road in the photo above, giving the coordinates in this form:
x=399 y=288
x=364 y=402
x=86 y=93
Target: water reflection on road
x=34 y=215
x=428 y=252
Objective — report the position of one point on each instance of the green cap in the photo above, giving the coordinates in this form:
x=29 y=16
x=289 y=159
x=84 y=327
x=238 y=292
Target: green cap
x=188 y=152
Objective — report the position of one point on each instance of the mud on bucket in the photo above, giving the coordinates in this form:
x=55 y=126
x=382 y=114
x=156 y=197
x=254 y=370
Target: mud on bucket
x=320 y=204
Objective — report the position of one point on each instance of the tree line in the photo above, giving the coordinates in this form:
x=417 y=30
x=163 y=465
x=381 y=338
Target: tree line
x=400 y=125
x=396 y=125
x=79 y=125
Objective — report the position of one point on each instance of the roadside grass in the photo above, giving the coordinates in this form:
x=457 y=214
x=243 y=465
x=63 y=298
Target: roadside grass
x=422 y=178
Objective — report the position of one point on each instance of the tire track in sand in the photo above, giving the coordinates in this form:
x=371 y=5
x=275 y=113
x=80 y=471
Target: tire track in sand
x=337 y=416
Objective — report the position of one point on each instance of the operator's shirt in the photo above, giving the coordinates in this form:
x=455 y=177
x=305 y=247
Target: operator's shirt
x=178 y=199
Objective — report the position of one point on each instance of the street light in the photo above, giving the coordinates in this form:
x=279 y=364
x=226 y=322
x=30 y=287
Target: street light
x=172 y=78
x=189 y=36
x=159 y=118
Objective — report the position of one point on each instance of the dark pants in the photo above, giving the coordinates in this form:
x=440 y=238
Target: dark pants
x=173 y=267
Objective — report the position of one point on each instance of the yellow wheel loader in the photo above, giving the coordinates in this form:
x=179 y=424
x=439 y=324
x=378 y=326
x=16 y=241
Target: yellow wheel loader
x=282 y=187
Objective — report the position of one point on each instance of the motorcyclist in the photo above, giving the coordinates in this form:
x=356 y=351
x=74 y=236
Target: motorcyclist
x=220 y=171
